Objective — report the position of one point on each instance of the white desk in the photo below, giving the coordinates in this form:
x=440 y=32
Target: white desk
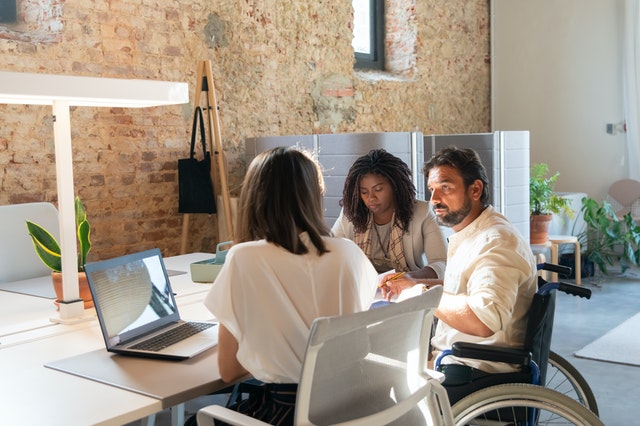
x=33 y=394
x=19 y=313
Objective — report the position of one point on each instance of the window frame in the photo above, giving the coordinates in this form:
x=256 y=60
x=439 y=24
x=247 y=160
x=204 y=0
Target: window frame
x=375 y=59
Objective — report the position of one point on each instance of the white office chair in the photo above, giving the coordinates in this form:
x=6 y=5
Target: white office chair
x=18 y=258
x=367 y=368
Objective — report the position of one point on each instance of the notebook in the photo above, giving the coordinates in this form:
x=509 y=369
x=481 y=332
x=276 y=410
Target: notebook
x=136 y=309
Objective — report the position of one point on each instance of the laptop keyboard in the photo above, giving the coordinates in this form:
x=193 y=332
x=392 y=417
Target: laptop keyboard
x=168 y=338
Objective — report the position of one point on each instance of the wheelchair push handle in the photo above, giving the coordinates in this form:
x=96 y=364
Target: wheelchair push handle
x=575 y=290
x=571 y=289
x=552 y=267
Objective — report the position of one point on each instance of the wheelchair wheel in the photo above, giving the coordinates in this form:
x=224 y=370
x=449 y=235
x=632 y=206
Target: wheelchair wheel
x=521 y=404
x=564 y=378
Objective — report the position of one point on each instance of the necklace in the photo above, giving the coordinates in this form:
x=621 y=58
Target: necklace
x=384 y=251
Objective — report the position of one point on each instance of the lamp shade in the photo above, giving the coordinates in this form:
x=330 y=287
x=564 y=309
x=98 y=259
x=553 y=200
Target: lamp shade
x=44 y=89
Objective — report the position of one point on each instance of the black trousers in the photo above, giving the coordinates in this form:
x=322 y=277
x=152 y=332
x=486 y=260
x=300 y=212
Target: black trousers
x=461 y=380
x=273 y=403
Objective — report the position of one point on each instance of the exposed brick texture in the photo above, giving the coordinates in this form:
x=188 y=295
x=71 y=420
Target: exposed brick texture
x=281 y=67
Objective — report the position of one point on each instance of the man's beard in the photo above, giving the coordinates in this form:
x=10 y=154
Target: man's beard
x=452 y=218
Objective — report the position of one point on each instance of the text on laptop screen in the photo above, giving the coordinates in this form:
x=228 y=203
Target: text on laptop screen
x=132 y=295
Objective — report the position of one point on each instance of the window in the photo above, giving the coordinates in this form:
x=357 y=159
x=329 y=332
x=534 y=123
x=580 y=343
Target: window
x=368 y=33
x=38 y=22
x=8 y=11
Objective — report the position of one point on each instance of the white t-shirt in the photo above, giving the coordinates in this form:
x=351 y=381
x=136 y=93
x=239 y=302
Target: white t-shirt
x=268 y=297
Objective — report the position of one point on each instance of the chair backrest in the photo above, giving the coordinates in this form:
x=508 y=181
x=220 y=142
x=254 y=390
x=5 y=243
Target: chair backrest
x=540 y=327
x=369 y=368
x=18 y=259
x=624 y=197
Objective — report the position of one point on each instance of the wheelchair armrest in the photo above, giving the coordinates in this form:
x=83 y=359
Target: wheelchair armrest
x=491 y=353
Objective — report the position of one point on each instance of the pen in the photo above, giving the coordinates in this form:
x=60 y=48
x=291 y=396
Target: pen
x=395 y=277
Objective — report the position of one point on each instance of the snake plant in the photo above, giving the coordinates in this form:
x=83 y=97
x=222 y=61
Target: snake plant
x=47 y=246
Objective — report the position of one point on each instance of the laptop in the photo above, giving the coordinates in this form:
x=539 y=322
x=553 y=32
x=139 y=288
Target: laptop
x=137 y=310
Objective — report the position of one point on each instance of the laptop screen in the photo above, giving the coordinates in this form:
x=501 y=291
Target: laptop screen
x=132 y=295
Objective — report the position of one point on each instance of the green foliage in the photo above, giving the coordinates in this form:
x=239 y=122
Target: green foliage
x=542 y=199
x=47 y=247
x=607 y=238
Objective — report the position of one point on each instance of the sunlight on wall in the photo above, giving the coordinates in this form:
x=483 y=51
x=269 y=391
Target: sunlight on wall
x=38 y=22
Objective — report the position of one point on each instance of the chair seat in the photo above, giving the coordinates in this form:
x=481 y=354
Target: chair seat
x=553 y=245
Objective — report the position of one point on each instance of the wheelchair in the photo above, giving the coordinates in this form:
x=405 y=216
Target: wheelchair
x=546 y=389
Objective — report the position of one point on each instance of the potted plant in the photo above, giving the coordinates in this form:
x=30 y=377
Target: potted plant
x=48 y=251
x=606 y=238
x=543 y=202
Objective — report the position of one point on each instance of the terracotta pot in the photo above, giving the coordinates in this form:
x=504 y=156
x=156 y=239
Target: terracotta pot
x=85 y=293
x=539 y=228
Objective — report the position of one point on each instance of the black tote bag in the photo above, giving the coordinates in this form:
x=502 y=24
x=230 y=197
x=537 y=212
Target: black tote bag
x=194 y=177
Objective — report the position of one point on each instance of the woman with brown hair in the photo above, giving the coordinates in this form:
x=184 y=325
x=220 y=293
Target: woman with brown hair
x=283 y=271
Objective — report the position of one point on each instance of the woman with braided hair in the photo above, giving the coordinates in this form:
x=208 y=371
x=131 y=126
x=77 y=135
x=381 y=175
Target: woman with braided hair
x=381 y=214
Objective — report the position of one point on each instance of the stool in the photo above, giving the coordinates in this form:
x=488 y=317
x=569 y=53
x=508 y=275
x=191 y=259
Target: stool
x=555 y=241
x=539 y=251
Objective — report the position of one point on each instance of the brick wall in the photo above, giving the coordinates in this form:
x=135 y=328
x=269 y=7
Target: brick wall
x=281 y=67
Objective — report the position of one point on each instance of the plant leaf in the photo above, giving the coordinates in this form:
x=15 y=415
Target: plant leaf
x=48 y=249
x=46 y=246
x=81 y=212
x=84 y=231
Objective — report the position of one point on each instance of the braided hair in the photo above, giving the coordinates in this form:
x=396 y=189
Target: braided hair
x=395 y=171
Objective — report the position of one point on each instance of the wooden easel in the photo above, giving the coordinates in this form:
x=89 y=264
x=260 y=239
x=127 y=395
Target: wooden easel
x=205 y=83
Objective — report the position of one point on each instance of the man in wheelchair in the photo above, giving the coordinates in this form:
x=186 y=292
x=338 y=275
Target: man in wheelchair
x=490 y=278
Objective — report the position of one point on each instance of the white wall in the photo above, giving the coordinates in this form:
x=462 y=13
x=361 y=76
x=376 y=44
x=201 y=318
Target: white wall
x=557 y=73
